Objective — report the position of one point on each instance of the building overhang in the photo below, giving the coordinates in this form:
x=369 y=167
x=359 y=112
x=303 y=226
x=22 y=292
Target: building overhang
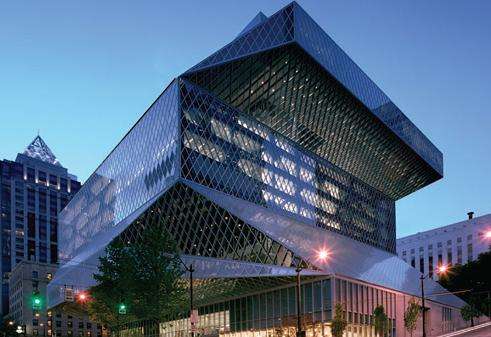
x=311 y=88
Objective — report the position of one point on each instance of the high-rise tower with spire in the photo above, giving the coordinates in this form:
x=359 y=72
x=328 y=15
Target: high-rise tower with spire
x=33 y=190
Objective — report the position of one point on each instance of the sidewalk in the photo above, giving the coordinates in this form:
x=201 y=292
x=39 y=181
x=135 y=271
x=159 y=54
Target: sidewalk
x=472 y=331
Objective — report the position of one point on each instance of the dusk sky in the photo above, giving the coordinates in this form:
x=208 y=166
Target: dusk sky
x=83 y=72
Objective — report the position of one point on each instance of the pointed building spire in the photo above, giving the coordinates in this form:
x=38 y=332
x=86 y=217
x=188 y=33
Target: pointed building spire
x=39 y=150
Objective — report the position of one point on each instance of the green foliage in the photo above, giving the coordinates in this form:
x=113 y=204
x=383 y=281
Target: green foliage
x=339 y=323
x=469 y=312
x=8 y=330
x=472 y=276
x=144 y=275
x=411 y=315
x=380 y=321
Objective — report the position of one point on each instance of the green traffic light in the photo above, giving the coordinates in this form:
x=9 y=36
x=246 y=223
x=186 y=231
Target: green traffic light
x=36 y=301
x=122 y=309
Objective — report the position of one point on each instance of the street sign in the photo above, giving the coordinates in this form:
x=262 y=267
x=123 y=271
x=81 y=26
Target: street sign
x=69 y=296
x=194 y=318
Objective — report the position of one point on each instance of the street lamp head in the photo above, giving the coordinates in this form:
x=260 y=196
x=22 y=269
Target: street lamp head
x=442 y=269
x=82 y=297
x=487 y=235
x=322 y=254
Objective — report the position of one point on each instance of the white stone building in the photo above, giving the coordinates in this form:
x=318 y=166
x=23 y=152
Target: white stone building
x=457 y=243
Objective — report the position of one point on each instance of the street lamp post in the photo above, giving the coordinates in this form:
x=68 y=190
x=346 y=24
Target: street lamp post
x=190 y=269
x=322 y=255
x=440 y=270
x=300 y=332
x=422 y=277
x=191 y=298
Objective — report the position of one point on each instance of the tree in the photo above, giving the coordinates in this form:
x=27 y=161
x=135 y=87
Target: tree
x=7 y=329
x=138 y=280
x=473 y=279
x=469 y=312
x=339 y=323
x=411 y=315
x=380 y=321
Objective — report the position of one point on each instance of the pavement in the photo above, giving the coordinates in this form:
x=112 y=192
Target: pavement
x=482 y=330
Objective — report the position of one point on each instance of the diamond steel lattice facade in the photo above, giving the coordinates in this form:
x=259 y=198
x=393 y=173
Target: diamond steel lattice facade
x=273 y=148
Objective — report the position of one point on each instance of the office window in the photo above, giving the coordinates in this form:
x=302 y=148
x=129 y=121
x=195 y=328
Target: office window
x=42 y=177
x=470 y=253
x=449 y=242
x=449 y=257
x=459 y=239
x=422 y=264
x=31 y=225
x=63 y=184
x=430 y=266
x=53 y=250
x=30 y=174
x=469 y=237
x=439 y=245
x=31 y=250
x=459 y=254
x=413 y=262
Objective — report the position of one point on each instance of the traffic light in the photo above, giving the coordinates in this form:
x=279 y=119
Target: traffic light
x=122 y=309
x=36 y=300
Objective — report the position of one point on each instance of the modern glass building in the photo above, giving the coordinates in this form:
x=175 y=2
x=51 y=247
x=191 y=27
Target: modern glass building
x=269 y=151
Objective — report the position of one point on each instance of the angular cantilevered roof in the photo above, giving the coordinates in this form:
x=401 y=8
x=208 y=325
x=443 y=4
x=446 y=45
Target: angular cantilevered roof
x=347 y=258
x=293 y=26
